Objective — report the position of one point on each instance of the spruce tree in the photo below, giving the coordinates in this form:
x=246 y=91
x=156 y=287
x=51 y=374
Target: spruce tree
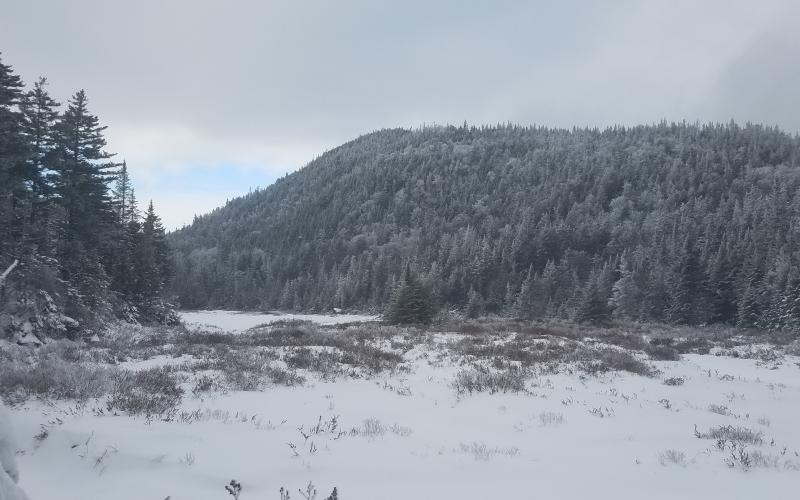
x=123 y=194
x=126 y=230
x=523 y=307
x=626 y=297
x=689 y=304
x=84 y=174
x=15 y=172
x=475 y=304
x=722 y=284
x=411 y=302
x=152 y=259
x=790 y=305
x=40 y=112
x=594 y=301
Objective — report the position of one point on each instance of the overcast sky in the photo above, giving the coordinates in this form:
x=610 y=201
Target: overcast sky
x=206 y=100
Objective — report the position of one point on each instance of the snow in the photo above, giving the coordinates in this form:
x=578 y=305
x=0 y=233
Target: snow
x=9 y=489
x=155 y=362
x=474 y=447
x=28 y=338
x=9 y=472
x=236 y=321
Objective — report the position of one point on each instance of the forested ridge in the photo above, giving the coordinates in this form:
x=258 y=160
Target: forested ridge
x=674 y=222
x=77 y=249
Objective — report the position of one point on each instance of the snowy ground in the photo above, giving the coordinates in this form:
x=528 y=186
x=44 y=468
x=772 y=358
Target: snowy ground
x=233 y=321
x=407 y=433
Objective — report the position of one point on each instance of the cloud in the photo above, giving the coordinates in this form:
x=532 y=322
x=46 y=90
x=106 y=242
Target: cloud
x=762 y=84
x=192 y=85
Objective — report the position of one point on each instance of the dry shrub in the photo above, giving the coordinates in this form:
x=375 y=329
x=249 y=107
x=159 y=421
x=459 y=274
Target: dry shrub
x=151 y=392
x=481 y=379
x=54 y=378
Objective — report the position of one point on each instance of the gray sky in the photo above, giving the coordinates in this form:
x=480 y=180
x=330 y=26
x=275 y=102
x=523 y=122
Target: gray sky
x=207 y=99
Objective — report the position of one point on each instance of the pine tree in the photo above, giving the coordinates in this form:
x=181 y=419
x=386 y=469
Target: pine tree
x=149 y=257
x=84 y=175
x=85 y=250
x=127 y=236
x=475 y=304
x=411 y=302
x=123 y=194
x=15 y=173
x=523 y=308
x=40 y=112
x=152 y=263
x=722 y=286
x=509 y=300
x=749 y=307
x=594 y=300
x=689 y=294
x=626 y=297
x=790 y=305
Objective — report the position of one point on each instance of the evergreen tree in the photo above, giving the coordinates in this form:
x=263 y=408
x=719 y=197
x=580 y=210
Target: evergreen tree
x=15 y=173
x=749 y=307
x=76 y=245
x=475 y=304
x=150 y=263
x=123 y=195
x=626 y=297
x=152 y=259
x=411 y=302
x=84 y=175
x=523 y=308
x=594 y=299
x=40 y=112
x=722 y=288
x=689 y=294
x=790 y=305
x=127 y=237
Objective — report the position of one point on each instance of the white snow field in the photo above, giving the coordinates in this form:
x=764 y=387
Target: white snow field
x=235 y=321
x=729 y=429
x=9 y=471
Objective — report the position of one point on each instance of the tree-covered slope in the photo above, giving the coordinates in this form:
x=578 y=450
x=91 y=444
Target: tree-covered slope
x=671 y=222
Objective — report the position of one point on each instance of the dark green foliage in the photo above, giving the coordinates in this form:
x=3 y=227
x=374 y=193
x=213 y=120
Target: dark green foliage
x=475 y=304
x=84 y=255
x=84 y=171
x=411 y=302
x=522 y=216
x=151 y=263
x=40 y=113
x=593 y=303
x=689 y=304
x=15 y=173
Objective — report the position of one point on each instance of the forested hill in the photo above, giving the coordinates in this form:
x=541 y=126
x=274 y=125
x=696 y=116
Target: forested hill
x=670 y=222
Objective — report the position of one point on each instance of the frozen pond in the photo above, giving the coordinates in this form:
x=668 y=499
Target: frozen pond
x=238 y=321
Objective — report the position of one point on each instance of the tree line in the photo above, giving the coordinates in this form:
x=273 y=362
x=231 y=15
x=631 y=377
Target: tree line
x=671 y=222
x=69 y=215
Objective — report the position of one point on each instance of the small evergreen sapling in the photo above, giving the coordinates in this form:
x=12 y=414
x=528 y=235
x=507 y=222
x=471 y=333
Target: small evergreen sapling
x=234 y=489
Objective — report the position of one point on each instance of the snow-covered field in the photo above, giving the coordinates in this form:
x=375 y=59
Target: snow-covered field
x=234 y=321
x=407 y=433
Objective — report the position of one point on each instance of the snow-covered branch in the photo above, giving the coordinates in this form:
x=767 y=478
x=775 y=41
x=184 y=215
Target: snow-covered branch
x=8 y=271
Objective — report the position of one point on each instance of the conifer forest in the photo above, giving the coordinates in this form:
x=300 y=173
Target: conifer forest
x=674 y=222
